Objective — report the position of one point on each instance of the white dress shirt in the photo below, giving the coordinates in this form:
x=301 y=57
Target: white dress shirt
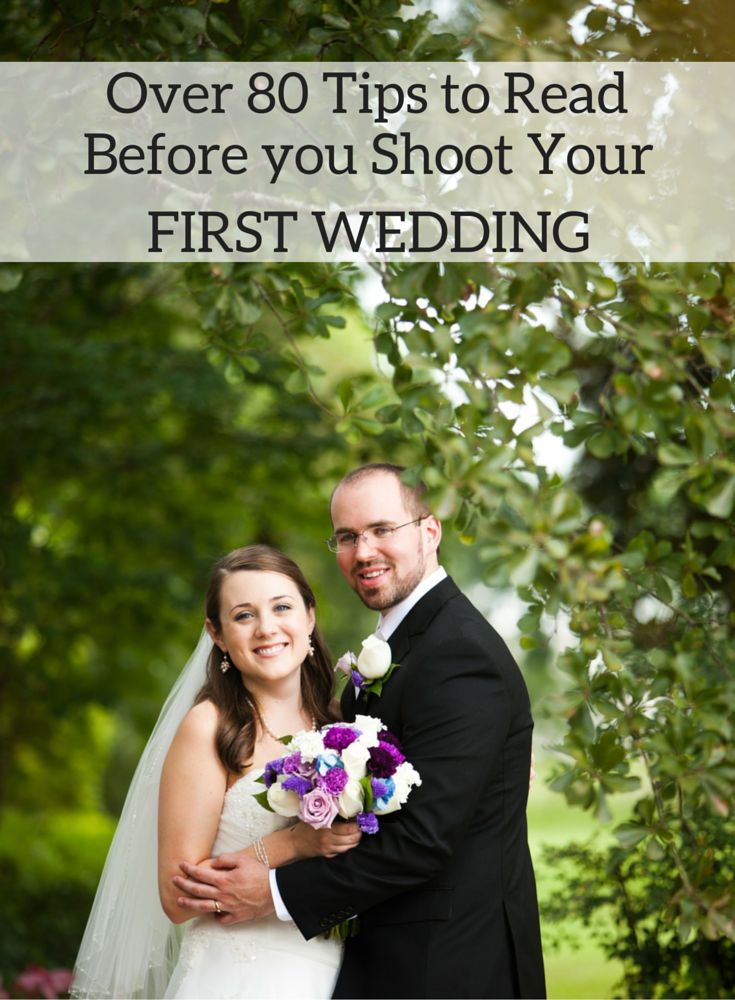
x=387 y=624
x=391 y=618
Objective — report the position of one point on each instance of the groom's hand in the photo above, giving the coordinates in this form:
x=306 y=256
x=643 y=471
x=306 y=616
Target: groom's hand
x=235 y=885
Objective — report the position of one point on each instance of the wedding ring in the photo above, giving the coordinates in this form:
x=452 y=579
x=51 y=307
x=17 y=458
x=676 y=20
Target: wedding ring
x=217 y=907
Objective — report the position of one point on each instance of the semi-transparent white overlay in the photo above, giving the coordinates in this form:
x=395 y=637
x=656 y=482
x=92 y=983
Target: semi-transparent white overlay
x=392 y=161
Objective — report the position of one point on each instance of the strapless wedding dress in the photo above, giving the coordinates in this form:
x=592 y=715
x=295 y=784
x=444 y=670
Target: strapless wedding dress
x=264 y=959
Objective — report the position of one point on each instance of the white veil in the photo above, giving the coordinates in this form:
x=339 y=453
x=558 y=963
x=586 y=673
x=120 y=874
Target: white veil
x=129 y=947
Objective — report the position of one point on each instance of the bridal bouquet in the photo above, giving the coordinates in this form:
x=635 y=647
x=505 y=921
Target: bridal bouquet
x=355 y=770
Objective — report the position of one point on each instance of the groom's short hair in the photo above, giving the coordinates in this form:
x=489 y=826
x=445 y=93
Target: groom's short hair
x=413 y=496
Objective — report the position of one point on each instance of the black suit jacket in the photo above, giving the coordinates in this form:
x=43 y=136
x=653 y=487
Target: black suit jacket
x=445 y=891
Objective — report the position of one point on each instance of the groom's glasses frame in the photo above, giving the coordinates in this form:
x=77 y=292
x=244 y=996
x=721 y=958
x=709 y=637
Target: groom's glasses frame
x=343 y=541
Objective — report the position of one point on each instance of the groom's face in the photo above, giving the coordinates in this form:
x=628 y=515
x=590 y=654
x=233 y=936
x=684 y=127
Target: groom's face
x=383 y=571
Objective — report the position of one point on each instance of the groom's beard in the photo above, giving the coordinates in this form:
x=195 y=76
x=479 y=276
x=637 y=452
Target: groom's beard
x=395 y=588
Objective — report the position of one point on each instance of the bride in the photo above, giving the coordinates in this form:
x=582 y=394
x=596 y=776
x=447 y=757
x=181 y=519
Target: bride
x=260 y=671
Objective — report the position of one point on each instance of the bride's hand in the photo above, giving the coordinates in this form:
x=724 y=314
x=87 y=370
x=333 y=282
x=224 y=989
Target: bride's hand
x=328 y=843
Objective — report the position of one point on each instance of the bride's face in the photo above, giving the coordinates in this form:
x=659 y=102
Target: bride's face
x=265 y=625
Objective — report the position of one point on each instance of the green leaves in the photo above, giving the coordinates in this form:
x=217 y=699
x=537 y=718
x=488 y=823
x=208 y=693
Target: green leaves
x=11 y=276
x=262 y=799
x=632 y=545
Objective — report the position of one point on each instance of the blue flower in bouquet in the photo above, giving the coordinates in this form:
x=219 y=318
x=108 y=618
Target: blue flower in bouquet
x=383 y=790
x=326 y=761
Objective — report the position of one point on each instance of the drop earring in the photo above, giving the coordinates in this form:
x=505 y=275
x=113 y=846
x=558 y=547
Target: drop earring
x=311 y=647
x=225 y=663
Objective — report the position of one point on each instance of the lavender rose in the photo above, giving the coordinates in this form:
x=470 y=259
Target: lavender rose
x=318 y=809
x=346 y=662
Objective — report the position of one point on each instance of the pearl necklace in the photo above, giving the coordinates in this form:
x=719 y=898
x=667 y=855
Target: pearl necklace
x=267 y=729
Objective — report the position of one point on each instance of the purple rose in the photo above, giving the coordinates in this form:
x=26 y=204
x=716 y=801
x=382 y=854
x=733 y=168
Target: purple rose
x=295 y=783
x=384 y=760
x=333 y=781
x=368 y=822
x=318 y=809
x=358 y=680
x=339 y=737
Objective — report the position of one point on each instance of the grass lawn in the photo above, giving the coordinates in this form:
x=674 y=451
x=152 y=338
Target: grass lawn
x=571 y=972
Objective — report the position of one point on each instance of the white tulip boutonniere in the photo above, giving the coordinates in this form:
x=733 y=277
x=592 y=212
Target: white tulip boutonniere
x=371 y=669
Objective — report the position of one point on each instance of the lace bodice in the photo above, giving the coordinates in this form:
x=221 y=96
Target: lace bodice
x=243 y=818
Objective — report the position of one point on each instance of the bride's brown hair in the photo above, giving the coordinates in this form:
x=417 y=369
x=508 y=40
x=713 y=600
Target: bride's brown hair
x=238 y=711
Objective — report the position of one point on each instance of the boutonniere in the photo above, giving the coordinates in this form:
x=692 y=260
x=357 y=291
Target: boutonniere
x=371 y=669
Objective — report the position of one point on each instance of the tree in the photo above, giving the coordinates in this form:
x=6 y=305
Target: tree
x=635 y=366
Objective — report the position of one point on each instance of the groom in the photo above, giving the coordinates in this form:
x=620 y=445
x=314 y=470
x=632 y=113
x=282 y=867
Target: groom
x=445 y=892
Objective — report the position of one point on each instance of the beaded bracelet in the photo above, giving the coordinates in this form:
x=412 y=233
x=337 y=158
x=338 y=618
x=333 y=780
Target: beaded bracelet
x=260 y=852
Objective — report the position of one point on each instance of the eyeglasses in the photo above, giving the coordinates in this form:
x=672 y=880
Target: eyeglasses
x=343 y=541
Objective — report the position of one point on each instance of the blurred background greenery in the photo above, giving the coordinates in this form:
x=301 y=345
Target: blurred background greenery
x=145 y=433
x=575 y=424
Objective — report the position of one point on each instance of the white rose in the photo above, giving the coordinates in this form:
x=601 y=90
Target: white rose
x=283 y=801
x=350 y=800
x=369 y=726
x=354 y=758
x=374 y=660
x=387 y=807
x=406 y=777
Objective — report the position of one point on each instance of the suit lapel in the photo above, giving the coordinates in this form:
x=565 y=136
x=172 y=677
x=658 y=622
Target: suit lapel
x=420 y=617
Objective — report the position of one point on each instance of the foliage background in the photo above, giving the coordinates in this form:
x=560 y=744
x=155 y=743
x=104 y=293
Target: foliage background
x=153 y=417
